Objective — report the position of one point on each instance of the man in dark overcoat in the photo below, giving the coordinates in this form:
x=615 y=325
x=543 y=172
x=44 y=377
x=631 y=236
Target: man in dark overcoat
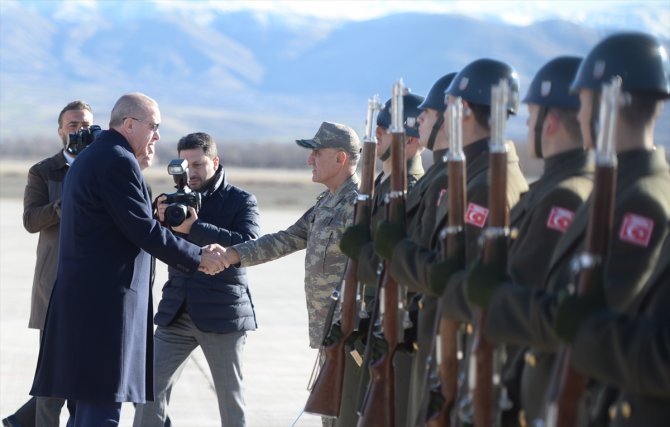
x=98 y=332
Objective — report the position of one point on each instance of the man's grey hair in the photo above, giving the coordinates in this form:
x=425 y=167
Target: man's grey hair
x=134 y=104
x=353 y=159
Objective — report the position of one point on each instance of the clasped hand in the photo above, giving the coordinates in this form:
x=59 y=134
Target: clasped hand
x=215 y=258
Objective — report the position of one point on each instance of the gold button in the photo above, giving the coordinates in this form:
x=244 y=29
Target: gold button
x=530 y=359
x=626 y=410
x=612 y=412
x=415 y=345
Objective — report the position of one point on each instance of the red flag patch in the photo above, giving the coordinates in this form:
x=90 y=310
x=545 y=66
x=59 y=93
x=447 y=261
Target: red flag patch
x=476 y=215
x=636 y=229
x=560 y=219
x=439 y=196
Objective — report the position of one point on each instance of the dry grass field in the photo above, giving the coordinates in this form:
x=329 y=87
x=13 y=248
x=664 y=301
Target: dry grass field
x=274 y=188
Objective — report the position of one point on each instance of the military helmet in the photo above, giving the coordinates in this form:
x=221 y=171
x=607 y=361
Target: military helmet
x=474 y=82
x=551 y=85
x=639 y=59
x=411 y=111
x=435 y=98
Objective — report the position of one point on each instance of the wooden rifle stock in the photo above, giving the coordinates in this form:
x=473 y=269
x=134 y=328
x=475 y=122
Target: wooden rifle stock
x=452 y=242
x=494 y=253
x=325 y=397
x=567 y=384
x=379 y=406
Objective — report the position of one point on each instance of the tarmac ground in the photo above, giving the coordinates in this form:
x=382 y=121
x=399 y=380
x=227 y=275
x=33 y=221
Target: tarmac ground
x=277 y=357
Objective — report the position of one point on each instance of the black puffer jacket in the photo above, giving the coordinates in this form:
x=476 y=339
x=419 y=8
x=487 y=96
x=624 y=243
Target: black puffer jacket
x=220 y=303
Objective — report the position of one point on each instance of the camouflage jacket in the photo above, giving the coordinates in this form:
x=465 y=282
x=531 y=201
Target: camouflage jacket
x=319 y=231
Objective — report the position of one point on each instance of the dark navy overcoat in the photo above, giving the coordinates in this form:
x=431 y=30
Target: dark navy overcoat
x=97 y=342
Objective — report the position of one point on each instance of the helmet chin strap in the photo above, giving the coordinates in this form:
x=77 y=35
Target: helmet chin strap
x=539 y=123
x=433 y=132
x=386 y=154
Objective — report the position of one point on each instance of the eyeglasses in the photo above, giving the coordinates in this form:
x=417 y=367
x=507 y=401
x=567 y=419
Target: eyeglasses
x=153 y=126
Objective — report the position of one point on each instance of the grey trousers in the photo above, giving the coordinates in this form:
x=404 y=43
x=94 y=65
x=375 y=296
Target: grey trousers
x=172 y=346
x=39 y=412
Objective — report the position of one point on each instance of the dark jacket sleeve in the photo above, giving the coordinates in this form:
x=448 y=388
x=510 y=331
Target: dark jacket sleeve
x=245 y=225
x=130 y=209
x=38 y=211
x=529 y=255
x=521 y=315
x=631 y=353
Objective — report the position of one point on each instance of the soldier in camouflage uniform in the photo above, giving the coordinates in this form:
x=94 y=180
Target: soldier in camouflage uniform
x=334 y=156
x=525 y=315
x=335 y=153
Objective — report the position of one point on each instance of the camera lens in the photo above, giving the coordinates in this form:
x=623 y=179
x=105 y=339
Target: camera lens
x=175 y=214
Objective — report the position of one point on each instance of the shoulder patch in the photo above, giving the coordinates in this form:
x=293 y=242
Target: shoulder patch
x=636 y=229
x=560 y=218
x=440 y=195
x=476 y=215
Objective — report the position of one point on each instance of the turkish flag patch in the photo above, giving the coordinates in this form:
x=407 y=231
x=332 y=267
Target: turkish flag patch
x=440 y=195
x=636 y=229
x=560 y=219
x=476 y=215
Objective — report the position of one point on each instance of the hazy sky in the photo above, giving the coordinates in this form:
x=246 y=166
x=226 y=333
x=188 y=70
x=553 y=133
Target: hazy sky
x=645 y=15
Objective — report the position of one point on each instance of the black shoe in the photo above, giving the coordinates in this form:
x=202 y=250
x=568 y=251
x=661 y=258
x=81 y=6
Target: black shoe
x=11 y=421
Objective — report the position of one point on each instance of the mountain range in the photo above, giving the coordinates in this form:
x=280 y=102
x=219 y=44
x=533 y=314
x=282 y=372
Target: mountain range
x=243 y=77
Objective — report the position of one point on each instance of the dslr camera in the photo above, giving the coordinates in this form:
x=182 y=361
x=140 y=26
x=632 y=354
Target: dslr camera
x=82 y=139
x=179 y=201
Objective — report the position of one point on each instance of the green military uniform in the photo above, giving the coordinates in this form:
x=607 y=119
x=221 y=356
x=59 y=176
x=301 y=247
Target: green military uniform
x=352 y=370
x=631 y=353
x=544 y=213
x=541 y=217
x=368 y=261
x=318 y=231
x=420 y=206
x=412 y=259
x=521 y=315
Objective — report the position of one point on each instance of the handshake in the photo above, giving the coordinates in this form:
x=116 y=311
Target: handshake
x=215 y=258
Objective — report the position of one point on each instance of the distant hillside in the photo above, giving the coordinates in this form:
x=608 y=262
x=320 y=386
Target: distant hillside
x=243 y=78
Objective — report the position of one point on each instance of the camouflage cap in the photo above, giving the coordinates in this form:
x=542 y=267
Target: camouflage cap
x=333 y=135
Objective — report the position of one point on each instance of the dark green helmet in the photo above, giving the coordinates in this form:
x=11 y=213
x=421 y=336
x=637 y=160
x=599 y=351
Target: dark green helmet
x=639 y=59
x=435 y=98
x=551 y=85
x=474 y=82
x=411 y=111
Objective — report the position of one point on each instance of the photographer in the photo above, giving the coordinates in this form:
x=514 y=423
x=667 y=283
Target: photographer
x=41 y=214
x=213 y=312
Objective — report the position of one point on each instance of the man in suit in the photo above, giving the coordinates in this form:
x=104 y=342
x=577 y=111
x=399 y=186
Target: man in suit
x=96 y=349
x=41 y=214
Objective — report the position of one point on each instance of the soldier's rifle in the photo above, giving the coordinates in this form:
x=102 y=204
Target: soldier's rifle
x=379 y=405
x=325 y=397
x=445 y=346
x=567 y=385
x=452 y=239
x=494 y=253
